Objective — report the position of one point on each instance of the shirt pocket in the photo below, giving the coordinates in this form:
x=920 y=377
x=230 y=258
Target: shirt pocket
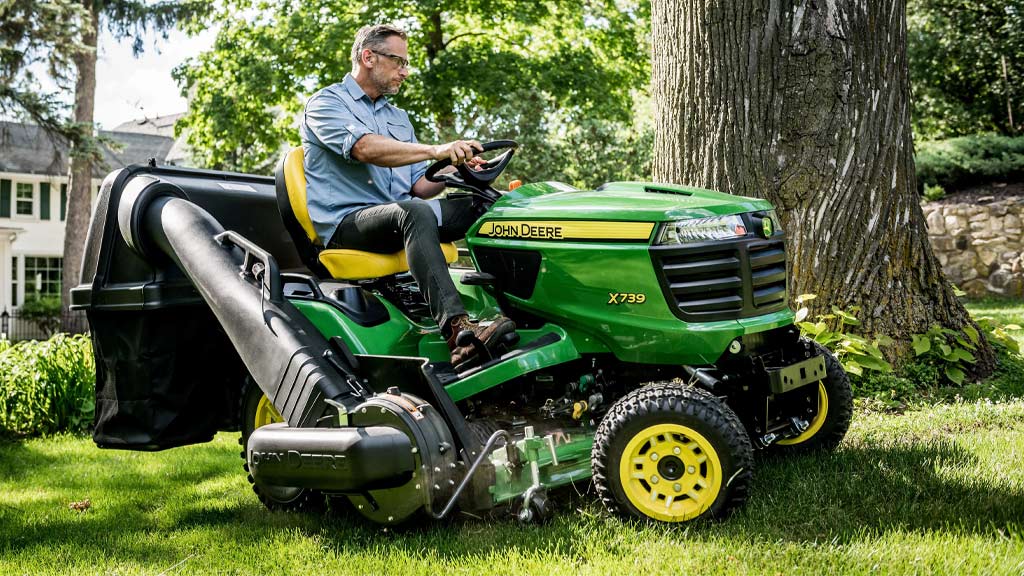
x=400 y=132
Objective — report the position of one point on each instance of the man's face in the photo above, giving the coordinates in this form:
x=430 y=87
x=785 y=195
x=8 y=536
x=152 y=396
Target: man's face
x=388 y=73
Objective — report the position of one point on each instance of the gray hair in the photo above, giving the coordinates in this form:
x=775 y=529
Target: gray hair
x=373 y=37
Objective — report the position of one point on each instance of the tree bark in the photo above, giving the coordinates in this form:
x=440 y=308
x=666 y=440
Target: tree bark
x=76 y=225
x=444 y=119
x=806 y=103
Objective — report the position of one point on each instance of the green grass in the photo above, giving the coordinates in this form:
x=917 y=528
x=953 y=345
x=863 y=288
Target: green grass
x=938 y=489
x=934 y=491
x=1003 y=310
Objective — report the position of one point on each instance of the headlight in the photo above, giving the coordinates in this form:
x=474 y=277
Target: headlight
x=702 y=230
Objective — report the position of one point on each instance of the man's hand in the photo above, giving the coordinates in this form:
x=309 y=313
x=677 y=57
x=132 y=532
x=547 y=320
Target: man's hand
x=458 y=151
x=473 y=164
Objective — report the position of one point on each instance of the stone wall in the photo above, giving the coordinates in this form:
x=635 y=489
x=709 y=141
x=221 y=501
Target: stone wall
x=979 y=244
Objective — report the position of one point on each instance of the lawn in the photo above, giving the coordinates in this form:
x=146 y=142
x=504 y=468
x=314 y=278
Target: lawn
x=938 y=489
x=932 y=491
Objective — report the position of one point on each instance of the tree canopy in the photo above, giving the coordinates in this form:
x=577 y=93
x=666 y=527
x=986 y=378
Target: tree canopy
x=957 y=50
x=559 y=76
x=38 y=36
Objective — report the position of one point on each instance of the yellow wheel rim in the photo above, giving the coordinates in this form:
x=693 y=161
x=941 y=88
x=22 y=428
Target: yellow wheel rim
x=670 y=472
x=266 y=413
x=816 y=423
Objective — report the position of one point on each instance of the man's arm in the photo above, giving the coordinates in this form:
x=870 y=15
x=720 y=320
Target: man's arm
x=426 y=189
x=388 y=152
x=423 y=188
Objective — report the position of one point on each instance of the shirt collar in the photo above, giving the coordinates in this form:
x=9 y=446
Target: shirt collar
x=357 y=92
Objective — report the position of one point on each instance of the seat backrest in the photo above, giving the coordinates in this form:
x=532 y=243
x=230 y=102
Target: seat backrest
x=290 y=184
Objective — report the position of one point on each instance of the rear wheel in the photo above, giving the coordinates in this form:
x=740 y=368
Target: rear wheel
x=671 y=453
x=257 y=411
x=832 y=417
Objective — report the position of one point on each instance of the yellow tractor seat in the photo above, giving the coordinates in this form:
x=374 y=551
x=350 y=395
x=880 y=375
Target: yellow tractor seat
x=339 y=264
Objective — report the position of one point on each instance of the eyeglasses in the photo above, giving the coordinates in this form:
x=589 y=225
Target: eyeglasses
x=398 y=60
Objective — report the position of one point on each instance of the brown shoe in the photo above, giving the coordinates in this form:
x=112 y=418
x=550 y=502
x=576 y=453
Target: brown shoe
x=489 y=335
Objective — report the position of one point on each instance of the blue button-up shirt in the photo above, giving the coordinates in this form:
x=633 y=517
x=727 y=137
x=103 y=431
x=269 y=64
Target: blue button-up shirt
x=338 y=184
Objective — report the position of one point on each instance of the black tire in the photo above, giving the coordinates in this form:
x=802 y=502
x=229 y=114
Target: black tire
x=678 y=416
x=286 y=498
x=836 y=398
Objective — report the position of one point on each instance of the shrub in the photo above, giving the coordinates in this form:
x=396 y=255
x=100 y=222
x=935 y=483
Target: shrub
x=884 y=390
x=43 y=312
x=933 y=193
x=969 y=160
x=46 y=386
x=834 y=331
x=952 y=350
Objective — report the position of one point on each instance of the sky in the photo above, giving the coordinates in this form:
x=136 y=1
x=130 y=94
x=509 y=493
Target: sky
x=129 y=88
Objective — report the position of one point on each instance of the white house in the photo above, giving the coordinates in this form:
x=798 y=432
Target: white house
x=33 y=198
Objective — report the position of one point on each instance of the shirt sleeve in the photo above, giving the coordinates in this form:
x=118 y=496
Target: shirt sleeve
x=330 y=120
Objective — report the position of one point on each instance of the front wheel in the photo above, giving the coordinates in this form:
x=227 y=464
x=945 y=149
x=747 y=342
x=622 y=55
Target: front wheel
x=257 y=411
x=834 y=411
x=672 y=453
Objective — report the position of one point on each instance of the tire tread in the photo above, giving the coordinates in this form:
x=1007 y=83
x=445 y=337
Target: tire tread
x=687 y=401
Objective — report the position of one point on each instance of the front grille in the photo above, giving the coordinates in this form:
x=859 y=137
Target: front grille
x=723 y=280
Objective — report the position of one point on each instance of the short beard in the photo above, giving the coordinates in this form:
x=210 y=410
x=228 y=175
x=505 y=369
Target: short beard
x=382 y=84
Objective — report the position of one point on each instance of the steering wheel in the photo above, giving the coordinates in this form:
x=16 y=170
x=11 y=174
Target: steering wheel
x=478 y=181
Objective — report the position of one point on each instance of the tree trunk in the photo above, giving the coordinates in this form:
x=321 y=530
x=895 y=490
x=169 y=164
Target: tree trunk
x=445 y=119
x=76 y=226
x=806 y=103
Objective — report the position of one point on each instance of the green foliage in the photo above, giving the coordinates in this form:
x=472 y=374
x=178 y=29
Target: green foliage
x=934 y=192
x=961 y=162
x=856 y=353
x=924 y=380
x=38 y=36
x=561 y=77
x=46 y=386
x=884 y=390
x=43 y=312
x=956 y=51
x=951 y=350
x=44 y=37
x=997 y=333
x=129 y=19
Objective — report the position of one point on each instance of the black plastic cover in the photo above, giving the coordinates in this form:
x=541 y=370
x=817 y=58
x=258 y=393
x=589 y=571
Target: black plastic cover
x=166 y=373
x=515 y=270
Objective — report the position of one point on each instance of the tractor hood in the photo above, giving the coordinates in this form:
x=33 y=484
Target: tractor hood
x=618 y=201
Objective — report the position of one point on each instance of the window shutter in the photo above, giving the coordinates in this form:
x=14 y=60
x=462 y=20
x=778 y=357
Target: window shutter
x=44 y=200
x=63 y=202
x=5 y=198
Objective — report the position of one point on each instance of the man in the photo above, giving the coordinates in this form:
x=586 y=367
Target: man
x=365 y=184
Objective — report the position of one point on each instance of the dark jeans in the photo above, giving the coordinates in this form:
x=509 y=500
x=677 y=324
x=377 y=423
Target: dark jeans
x=411 y=225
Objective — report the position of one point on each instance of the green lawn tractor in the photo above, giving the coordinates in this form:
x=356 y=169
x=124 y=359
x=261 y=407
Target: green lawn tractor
x=654 y=352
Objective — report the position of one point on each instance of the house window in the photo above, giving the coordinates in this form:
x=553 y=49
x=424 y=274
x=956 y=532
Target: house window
x=24 y=199
x=42 y=276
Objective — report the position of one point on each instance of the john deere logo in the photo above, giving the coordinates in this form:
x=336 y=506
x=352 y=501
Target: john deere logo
x=768 y=227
